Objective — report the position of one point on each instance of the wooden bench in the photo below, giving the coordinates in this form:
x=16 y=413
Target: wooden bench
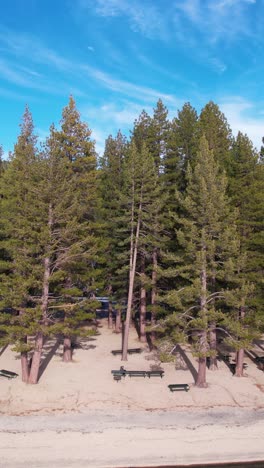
x=179 y=387
x=8 y=374
x=130 y=351
x=136 y=373
x=120 y=372
x=155 y=373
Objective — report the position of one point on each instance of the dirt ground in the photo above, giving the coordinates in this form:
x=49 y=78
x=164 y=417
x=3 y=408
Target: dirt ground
x=78 y=416
x=87 y=383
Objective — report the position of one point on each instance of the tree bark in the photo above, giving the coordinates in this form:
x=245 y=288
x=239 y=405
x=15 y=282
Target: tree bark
x=24 y=358
x=24 y=367
x=239 y=372
x=110 y=315
x=201 y=377
x=36 y=359
x=131 y=280
x=154 y=285
x=67 y=349
x=212 y=340
x=34 y=370
x=212 y=334
x=143 y=310
x=118 y=321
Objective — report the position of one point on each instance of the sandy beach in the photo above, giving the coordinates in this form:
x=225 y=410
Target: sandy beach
x=79 y=416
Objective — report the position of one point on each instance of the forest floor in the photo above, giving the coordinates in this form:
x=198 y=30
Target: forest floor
x=78 y=415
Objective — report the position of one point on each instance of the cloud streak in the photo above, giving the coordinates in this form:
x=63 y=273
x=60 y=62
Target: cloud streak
x=238 y=113
x=140 y=93
x=143 y=17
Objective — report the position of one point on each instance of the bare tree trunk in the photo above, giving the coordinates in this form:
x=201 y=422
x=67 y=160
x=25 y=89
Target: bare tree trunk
x=143 y=310
x=212 y=336
x=67 y=349
x=34 y=370
x=239 y=371
x=24 y=358
x=24 y=367
x=154 y=285
x=110 y=315
x=131 y=282
x=212 y=340
x=201 y=377
x=154 y=293
x=118 y=321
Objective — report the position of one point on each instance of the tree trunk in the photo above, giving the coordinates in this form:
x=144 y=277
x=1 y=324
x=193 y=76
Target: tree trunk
x=212 y=334
x=24 y=358
x=131 y=281
x=201 y=377
x=24 y=367
x=118 y=321
x=34 y=370
x=154 y=285
x=67 y=349
x=110 y=315
x=154 y=293
x=212 y=340
x=239 y=371
x=142 y=314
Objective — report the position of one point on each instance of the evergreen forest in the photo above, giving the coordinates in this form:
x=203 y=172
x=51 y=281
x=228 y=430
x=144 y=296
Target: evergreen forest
x=167 y=223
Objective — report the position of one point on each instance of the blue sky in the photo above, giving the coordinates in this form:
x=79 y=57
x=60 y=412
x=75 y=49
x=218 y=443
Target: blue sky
x=118 y=57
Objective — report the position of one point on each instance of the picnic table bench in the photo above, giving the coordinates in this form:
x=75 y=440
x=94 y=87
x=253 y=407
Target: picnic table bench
x=178 y=387
x=117 y=374
x=7 y=374
x=120 y=371
x=130 y=351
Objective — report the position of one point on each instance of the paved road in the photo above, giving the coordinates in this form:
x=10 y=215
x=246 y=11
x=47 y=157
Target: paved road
x=114 y=439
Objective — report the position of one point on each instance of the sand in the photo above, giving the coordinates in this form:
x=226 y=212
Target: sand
x=79 y=416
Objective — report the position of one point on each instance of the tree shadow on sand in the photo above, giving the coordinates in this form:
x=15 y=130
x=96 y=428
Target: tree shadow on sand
x=184 y=361
x=84 y=343
x=3 y=349
x=49 y=350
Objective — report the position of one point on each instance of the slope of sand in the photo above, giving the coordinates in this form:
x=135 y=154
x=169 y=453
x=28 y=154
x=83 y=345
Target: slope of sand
x=79 y=416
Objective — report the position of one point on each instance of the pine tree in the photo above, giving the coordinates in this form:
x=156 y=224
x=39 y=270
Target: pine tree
x=153 y=132
x=111 y=184
x=207 y=235
x=20 y=280
x=50 y=236
x=182 y=147
x=139 y=204
x=214 y=126
x=73 y=143
x=246 y=189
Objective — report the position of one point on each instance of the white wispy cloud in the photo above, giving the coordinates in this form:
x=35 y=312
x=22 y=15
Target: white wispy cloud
x=140 y=93
x=29 y=47
x=238 y=112
x=143 y=17
x=214 y=19
x=20 y=76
